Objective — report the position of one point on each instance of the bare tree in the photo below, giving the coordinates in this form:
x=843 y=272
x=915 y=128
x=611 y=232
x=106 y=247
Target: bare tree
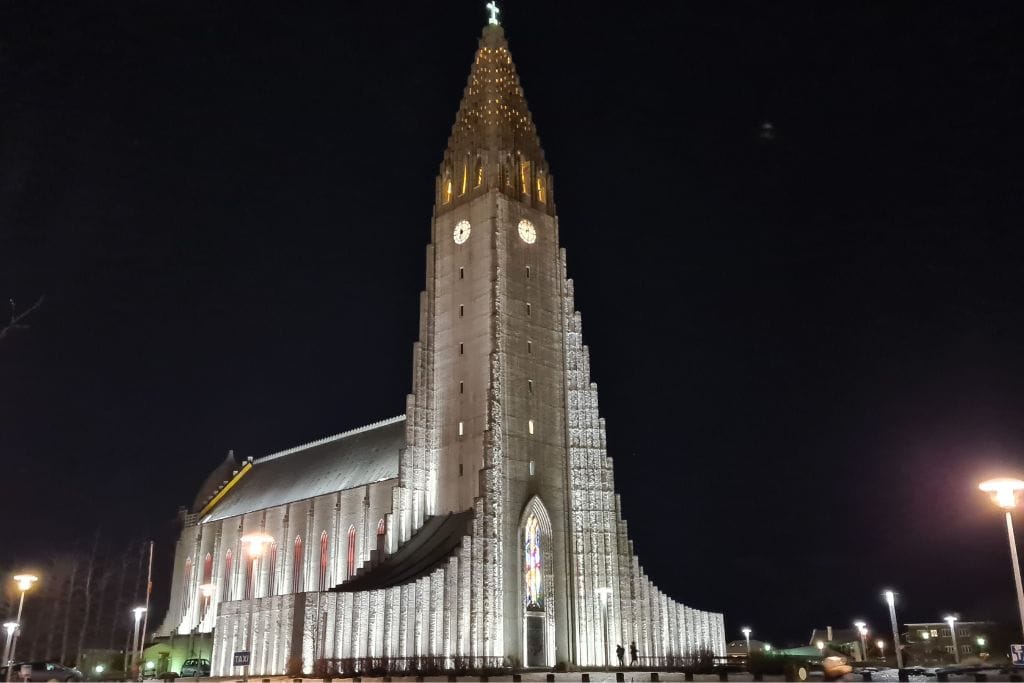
x=16 y=318
x=88 y=598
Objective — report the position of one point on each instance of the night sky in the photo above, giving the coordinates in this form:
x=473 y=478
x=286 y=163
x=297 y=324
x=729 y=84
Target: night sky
x=809 y=348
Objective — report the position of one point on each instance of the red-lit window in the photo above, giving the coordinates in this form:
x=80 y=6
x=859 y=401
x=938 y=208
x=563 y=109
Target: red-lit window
x=297 y=566
x=208 y=568
x=226 y=589
x=272 y=569
x=351 y=565
x=323 y=561
x=382 y=532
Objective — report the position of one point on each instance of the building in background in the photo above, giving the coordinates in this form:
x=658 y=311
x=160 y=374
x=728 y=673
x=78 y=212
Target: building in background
x=932 y=643
x=481 y=527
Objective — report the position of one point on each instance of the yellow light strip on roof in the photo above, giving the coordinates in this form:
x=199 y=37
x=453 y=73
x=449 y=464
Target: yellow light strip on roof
x=227 y=487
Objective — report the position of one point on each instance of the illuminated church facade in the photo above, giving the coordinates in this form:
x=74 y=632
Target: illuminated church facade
x=481 y=527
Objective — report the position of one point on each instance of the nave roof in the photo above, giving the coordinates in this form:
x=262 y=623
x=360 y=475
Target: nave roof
x=354 y=458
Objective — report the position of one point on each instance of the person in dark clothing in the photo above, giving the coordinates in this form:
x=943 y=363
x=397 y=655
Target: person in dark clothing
x=620 y=652
x=632 y=653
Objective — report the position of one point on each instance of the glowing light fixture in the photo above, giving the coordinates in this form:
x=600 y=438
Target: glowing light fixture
x=255 y=543
x=25 y=581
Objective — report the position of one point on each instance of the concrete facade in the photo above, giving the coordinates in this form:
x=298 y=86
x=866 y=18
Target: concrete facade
x=502 y=420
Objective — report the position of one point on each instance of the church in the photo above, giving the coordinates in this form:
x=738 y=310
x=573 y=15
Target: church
x=479 y=529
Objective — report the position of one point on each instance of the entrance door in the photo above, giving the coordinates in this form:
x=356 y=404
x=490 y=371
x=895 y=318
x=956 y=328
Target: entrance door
x=535 y=640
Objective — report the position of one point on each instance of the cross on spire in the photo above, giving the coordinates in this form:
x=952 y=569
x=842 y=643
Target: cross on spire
x=492 y=7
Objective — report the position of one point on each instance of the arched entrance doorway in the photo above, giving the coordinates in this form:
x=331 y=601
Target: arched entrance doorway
x=537 y=578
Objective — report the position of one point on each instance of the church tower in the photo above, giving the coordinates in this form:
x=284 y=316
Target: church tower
x=487 y=414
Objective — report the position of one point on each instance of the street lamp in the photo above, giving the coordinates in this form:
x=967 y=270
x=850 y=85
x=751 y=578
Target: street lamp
x=254 y=543
x=951 y=620
x=207 y=592
x=138 y=612
x=821 y=648
x=1004 y=493
x=881 y=648
x=746 y=634
x=890 y=598
x=10 y=627
x=863 y=631
x=24 y=582
x=603 y=594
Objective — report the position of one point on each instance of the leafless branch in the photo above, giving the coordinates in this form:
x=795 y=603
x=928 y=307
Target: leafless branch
x=15 y=323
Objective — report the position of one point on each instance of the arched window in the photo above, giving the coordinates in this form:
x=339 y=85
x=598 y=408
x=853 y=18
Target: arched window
x=382 y=533
x=533 y=593
x=297 y=566
x=524 y=176
x=226 y=589
x=446 y=188
x=541 y=190
x=272 y=570
x=323 y=561
x=208 y=569
x=478 y=174
x=187 y=586
x=351 y=564
x=464 y=185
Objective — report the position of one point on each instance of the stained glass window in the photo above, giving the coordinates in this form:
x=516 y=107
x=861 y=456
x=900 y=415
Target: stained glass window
x=534 y=593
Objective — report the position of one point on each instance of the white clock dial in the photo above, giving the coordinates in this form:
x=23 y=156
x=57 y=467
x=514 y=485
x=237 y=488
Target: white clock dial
x=527 y=232
x=461 y=233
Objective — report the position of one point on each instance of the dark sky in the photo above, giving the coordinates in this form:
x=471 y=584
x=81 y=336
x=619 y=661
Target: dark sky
x=809 y=348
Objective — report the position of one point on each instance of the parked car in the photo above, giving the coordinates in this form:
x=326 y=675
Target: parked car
x=194 y=668
x=44 y=671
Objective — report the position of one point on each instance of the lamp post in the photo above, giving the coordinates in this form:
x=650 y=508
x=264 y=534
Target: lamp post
x=24 y=581
x=10 y=627
x=863 y=631
x=746 y=634
x=951 y=620
x=138 y=612
x=821 y=649
x=881 y=648
x=1004 y=492
x=603 y=594
x=206 y=590
x=890 y=598
x=254 y=543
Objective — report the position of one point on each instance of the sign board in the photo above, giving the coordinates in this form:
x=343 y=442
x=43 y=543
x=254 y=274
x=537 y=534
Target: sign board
x=241 y=658
x=1017 y=655
x=26 y=671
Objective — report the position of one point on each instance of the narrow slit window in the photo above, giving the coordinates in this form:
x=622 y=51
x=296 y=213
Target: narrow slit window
x=527 y=272
x=529 y=426
x=462 y=348
x=529 y=347
x=529 y=385
x=462 y=311
x=462 y=273
x=462 y=429
x=460 y=469
x=529 y=309
x=462 y=387
x=532 y=469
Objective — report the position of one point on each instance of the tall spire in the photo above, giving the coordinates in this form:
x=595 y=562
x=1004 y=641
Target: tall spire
x=494 y=143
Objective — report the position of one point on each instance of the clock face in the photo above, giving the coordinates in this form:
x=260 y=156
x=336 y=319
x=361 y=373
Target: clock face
x=527 y=232
x=461 y=232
